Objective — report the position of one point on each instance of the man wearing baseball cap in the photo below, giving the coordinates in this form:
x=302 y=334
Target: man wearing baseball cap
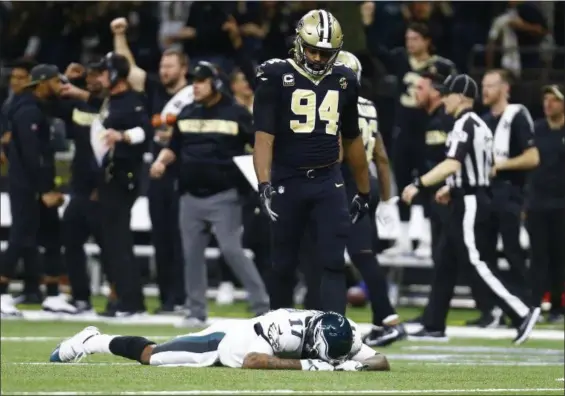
x=466 y=170
x=546 y=204
x=31 y=178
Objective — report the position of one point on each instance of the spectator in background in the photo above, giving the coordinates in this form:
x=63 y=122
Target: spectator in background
x=172 y=17
x=521 y=26
x=437 y=16
x=203 y=37
x=241 y=89
x=470 y=26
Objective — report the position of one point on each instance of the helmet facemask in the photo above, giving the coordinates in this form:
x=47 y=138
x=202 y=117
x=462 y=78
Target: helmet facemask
x=315 y=68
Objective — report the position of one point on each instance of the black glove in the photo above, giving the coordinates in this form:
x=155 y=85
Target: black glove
x=266 y=193
x=359 y=206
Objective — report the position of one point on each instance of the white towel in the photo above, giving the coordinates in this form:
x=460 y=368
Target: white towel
x=502 y=134
x=510 y=52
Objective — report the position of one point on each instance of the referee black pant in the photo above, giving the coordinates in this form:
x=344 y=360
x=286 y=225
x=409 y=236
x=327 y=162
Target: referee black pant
x=461 y=244
x=547 y=242
x=116 y=201
x=507 y=204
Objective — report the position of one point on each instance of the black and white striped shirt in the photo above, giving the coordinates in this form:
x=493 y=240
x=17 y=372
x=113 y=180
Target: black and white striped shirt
x=471 y=143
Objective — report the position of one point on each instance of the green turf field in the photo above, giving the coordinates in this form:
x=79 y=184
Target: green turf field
x=462 y=366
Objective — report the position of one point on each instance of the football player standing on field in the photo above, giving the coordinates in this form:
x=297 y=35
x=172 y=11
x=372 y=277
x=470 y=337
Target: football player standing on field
x=301 y=105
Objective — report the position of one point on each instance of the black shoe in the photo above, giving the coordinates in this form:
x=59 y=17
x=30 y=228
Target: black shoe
x=555 y=318
x=385 y=335
x=417 y=320
x=83 y=307
x=29 y=298
x=165 y=309
x=485 y=321
x=527 y=325
x=120 y=314
x=425 y=335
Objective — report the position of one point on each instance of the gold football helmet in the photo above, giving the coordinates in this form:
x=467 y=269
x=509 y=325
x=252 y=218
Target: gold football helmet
x=351 y=61
x=320 y=33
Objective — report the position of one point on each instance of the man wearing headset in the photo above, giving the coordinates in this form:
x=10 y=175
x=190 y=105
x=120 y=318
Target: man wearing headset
x=118 y=139
x=206 y=135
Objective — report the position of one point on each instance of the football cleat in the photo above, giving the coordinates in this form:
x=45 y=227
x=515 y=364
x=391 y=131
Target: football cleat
x=385 y=335
x=527 y=325
x=8 y=307
x=58 y=304
x=72 y=349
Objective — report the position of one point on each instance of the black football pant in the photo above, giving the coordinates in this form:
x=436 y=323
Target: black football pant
x=407 y=161
x=547 y=242
x=462 y=245
x=316 y=200
x=23 y=237
x=165 y=232
x=361 y=247
x=82 y=218
x=507 y=204
x=49 y=238
x=116 y=201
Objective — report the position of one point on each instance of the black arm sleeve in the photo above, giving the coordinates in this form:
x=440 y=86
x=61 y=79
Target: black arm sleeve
x=176 y=140
x=26 y=123
x=523 y=128
x=264 y=106
x=350 y=114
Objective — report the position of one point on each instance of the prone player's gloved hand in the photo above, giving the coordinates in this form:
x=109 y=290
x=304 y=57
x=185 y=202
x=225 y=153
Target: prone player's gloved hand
x=316 y=365
x=266 y=193
x=350 y=365
x=359 y=207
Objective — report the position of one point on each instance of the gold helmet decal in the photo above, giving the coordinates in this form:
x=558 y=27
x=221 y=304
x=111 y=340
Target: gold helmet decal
x=320 y=33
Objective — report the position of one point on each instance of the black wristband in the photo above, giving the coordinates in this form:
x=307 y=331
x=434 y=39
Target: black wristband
x=364 y=195
x=263 y=186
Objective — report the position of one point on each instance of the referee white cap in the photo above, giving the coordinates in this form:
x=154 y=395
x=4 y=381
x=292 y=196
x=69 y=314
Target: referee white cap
x=461 y=84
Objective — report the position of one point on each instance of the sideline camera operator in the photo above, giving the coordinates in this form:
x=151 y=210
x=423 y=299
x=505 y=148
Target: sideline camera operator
x=207 y=134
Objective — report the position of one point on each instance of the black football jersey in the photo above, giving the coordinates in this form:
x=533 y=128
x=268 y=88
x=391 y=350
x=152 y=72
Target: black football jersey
x=305 y=114
x=407 y=70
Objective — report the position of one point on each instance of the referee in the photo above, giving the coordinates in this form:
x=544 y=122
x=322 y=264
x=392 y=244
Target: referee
x=466 y=167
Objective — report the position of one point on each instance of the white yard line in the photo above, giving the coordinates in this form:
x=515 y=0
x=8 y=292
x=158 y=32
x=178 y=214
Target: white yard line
x=301 y=392
x=53 y=338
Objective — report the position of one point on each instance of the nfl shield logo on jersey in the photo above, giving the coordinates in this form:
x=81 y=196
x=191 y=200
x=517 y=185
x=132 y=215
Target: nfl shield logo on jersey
x=280 y=190
x=343 y=83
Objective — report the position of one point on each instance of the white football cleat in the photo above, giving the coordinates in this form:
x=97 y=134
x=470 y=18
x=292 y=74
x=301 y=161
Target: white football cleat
x=72 y=349
x=8 y=307
x=58 y=304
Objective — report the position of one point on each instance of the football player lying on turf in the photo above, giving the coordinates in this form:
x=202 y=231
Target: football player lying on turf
x=285 y=339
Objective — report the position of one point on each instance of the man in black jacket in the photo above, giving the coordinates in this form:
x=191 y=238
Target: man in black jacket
x=123 y=125
x=546 y=204
x=207 y=135
x=30 y=178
